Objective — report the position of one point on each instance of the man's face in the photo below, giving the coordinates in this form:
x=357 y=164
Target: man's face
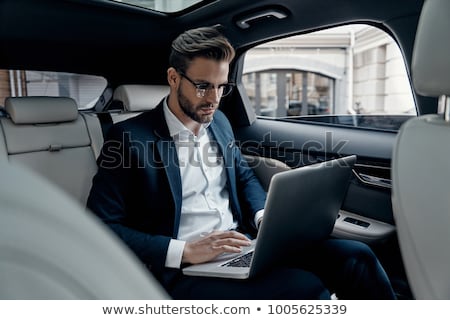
x=200 y=105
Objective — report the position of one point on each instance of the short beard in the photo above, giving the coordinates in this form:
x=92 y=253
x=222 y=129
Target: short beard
x=189 y=109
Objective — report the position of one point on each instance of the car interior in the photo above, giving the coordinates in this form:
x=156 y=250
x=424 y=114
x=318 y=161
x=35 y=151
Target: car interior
x=49 y=142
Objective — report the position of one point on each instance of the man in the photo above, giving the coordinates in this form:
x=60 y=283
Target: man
x=173 y=185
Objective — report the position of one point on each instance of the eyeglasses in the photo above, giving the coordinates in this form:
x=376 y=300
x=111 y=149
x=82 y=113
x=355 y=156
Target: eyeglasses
x=206 y=88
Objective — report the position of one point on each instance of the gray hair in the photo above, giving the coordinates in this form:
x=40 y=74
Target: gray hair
x=205 y=42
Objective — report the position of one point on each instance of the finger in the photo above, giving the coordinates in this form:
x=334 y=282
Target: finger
x=232 y=242
x=227 y=248
x=227 y=234
x=236 y=235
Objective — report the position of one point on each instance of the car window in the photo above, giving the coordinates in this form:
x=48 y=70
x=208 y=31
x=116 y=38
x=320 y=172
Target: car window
x=161 y=5
x=349 y=70
x=84 y=89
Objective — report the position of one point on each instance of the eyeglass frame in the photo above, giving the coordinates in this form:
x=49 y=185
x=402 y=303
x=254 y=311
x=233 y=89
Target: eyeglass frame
x=201 y=92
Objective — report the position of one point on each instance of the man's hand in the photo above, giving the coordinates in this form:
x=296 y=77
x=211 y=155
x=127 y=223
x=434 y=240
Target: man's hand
x=214 y=244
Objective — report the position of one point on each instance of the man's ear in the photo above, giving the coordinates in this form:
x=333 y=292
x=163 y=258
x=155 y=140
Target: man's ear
x=172 y=77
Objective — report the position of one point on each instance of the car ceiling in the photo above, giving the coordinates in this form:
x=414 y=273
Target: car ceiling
x=120 y=42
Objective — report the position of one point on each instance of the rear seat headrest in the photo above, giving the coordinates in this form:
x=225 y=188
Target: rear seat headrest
x=34 y=110
x=137 y=97
x=430 y=61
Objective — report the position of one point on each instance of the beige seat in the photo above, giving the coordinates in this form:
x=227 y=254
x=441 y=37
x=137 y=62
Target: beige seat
x=421 y=163
x=48 y=135
x=136 y=98
x=51 y=248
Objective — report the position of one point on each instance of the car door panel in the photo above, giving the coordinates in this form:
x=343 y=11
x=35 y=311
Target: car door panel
x=299 y=144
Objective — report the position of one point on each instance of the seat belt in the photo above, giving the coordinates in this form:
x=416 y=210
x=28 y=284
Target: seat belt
x=106 y=122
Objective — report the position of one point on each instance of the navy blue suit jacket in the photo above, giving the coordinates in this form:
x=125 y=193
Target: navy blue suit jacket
x=137 y=189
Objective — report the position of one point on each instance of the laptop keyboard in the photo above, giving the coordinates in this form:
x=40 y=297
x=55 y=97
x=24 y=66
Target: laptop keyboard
x=242 y=261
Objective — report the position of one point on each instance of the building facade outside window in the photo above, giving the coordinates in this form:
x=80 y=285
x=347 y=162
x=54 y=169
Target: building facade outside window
x=355 y=69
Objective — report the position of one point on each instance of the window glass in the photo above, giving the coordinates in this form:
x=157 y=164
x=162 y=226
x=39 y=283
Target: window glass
x=350 y=70
x=161 y=5
x=84 y=89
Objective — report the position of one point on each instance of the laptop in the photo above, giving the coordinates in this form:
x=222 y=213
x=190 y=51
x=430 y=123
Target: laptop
x=301 y=208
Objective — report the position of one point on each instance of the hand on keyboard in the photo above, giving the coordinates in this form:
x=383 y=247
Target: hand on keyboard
x=213 y=244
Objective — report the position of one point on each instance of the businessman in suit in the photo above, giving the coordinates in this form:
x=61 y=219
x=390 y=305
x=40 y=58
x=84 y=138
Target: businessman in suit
x=173 y=185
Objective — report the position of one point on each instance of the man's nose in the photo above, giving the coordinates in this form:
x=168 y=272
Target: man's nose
x=213 y=95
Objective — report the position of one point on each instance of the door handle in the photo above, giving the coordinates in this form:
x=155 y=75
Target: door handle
x=373 y=180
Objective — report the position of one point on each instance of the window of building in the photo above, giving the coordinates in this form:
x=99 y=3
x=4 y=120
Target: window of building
x=289 y=93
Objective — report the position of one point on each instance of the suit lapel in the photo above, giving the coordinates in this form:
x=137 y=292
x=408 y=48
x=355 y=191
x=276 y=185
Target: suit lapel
x=169 y=157
x=226 y=149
